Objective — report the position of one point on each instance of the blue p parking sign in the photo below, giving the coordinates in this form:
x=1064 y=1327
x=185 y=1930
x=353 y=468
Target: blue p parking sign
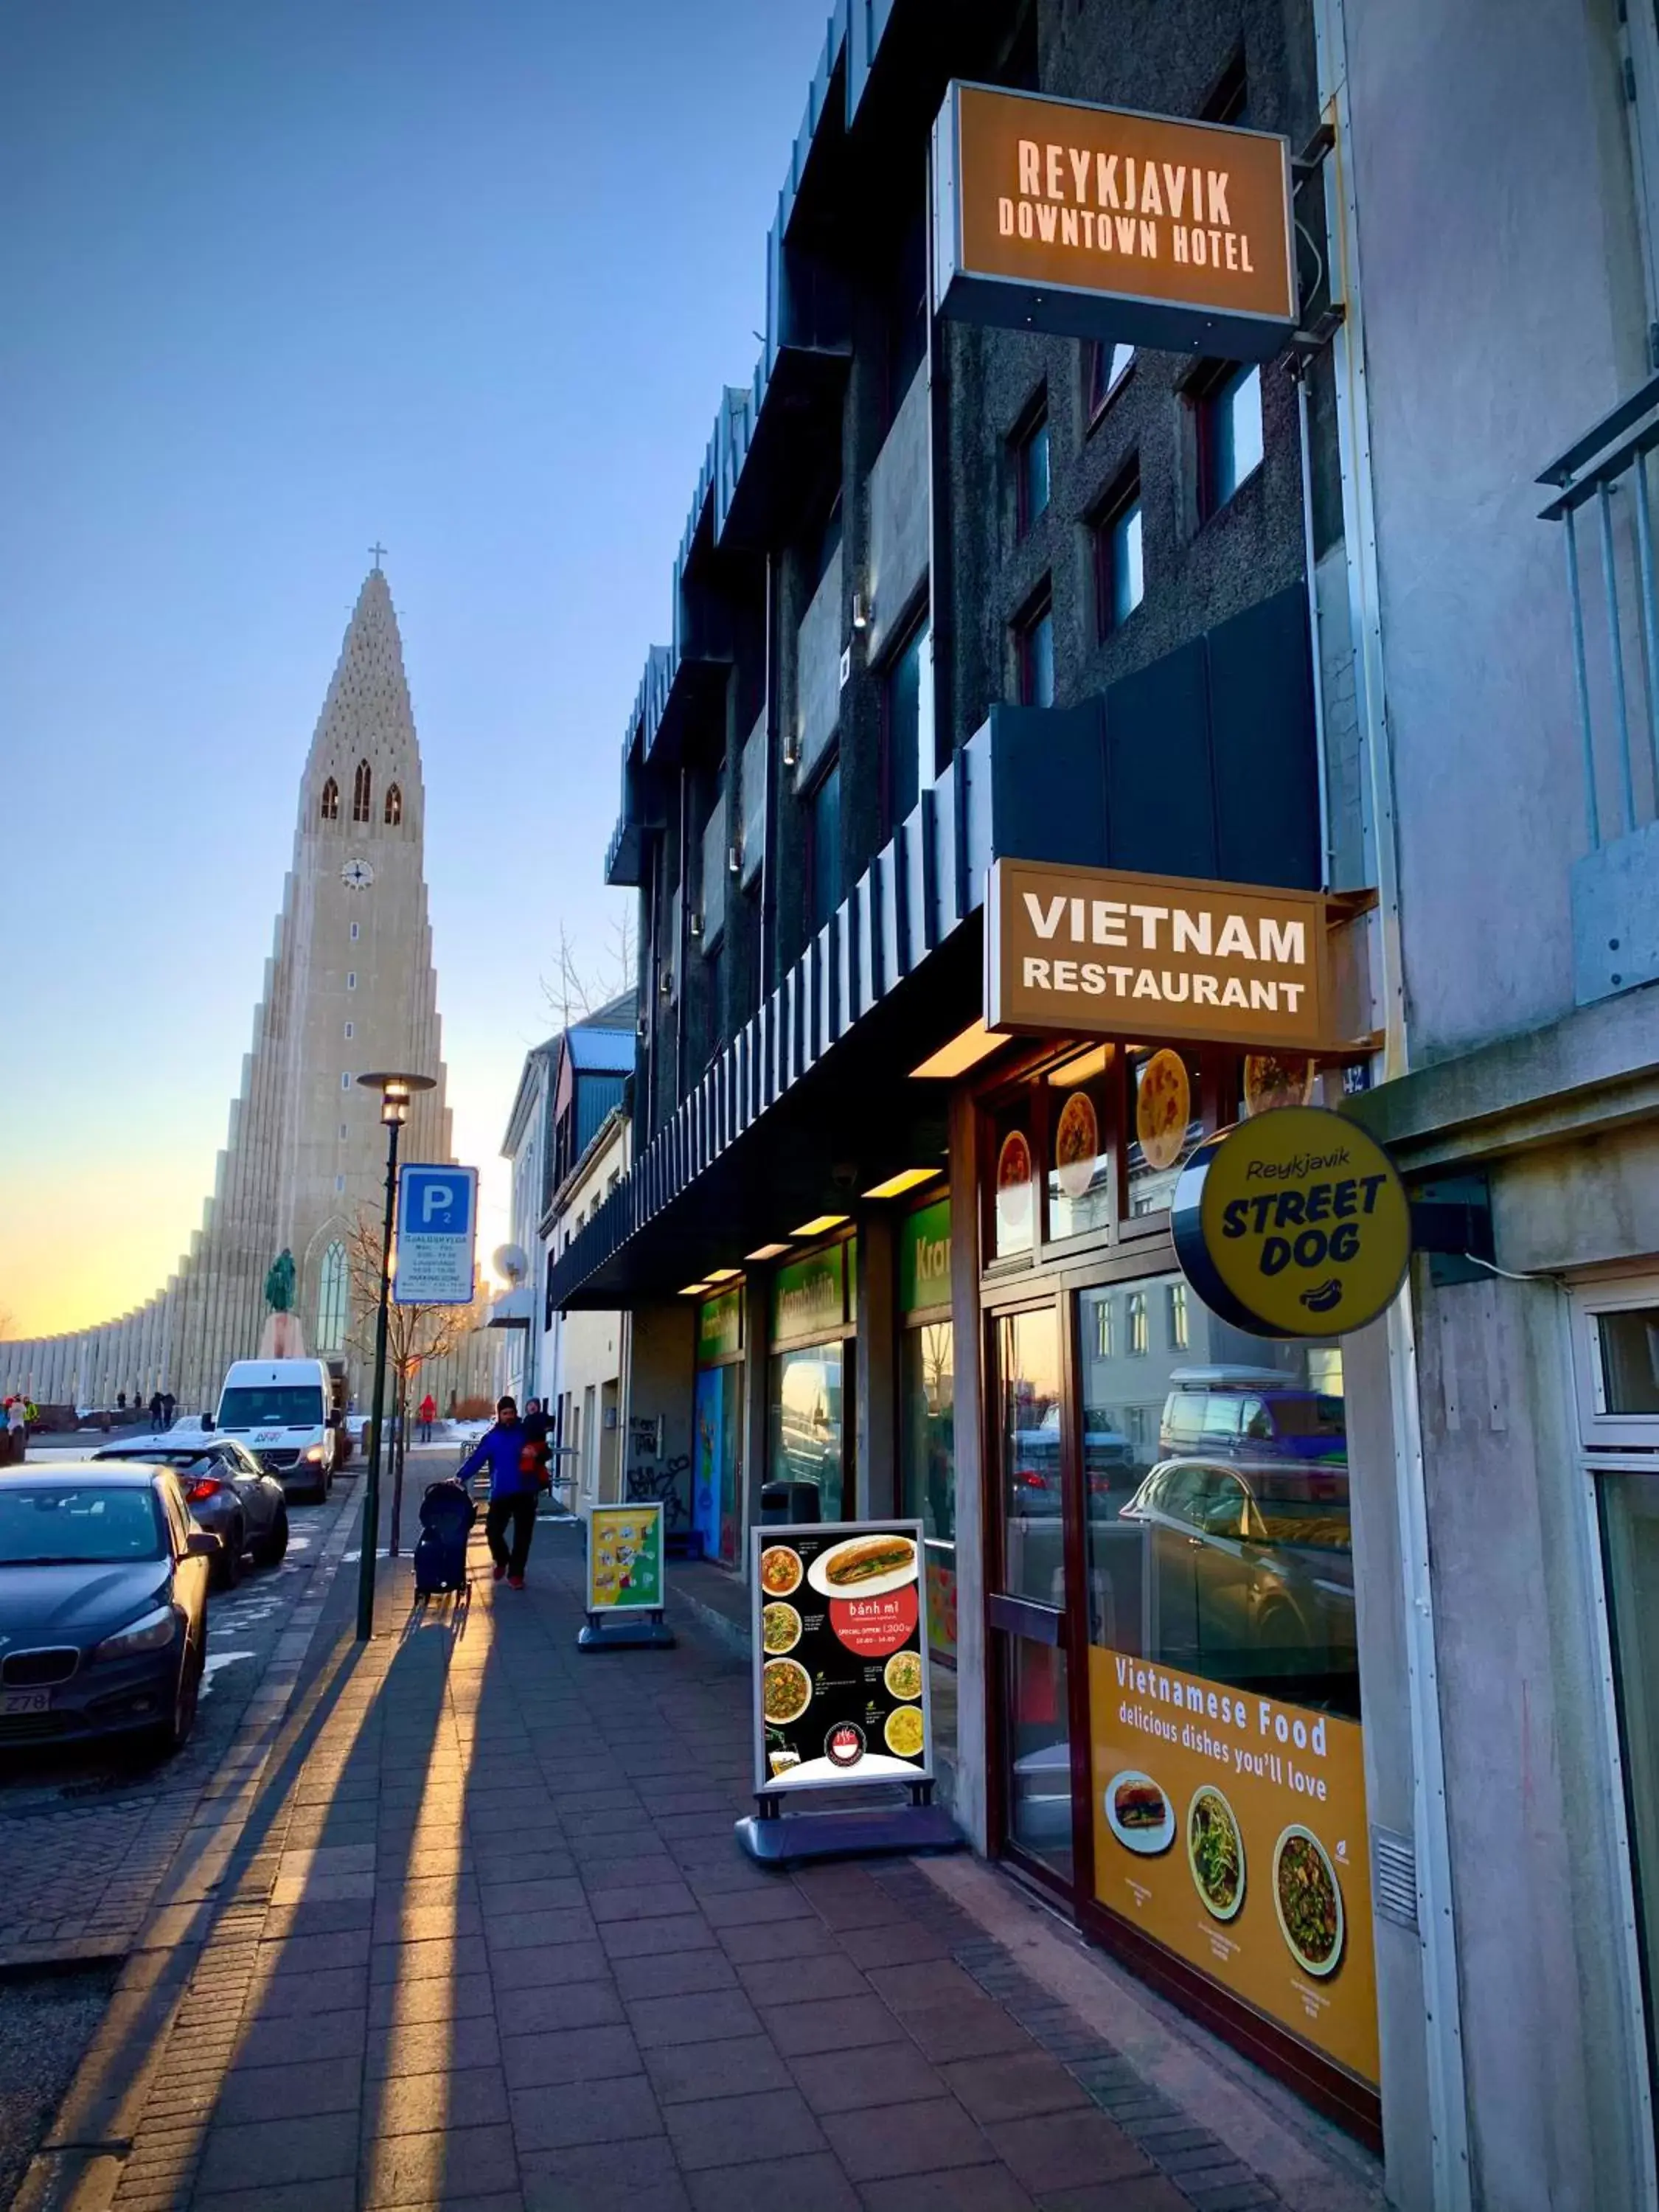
x=437 y=1229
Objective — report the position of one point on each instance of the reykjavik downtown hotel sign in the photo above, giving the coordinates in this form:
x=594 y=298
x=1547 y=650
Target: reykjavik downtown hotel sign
x=1099 y=222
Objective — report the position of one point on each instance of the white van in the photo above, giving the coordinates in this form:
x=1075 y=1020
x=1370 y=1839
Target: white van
x=280 y=1408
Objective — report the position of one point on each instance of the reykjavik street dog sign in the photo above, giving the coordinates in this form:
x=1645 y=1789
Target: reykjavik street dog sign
x=1098 y=222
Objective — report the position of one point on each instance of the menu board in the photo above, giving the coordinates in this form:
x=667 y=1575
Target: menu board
x=1232 y=1828
x=841 y=1656
x=624 y=1558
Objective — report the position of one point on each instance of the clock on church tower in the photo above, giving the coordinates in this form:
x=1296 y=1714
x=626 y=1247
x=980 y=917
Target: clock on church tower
x=356 y=875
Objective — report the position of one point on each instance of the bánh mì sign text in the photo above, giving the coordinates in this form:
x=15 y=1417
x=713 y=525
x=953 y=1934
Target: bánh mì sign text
x=1095 y=952
x=1103 y=222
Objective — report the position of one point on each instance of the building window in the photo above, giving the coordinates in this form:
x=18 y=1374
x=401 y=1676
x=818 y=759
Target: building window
x=823 y=845
x=343 y=1131
x=394 y=807
x=339 y=1184
x=331 y=1295
x=351 y=1031
x=1104 y=368
x=1034 y=650
x=1120 y=571
x=330 y=809
x=345 y=1080
x=354 y=932
x=1229 y=441
x=907 y=729
x=1136 y=1309
x=1105 y=1327
x=351 y=980
x=361 y=792
x=1031 y=469
x=1179 y=1325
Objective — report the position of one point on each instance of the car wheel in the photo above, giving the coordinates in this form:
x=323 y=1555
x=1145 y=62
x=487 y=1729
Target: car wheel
x=228 y=1568
x=276 y=1543
x=186 y=1700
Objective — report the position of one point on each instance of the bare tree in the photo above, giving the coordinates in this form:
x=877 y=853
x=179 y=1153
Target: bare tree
x=572 y=992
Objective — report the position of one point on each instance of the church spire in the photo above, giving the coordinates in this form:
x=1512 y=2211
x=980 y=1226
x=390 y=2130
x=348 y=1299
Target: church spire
x=364 y=757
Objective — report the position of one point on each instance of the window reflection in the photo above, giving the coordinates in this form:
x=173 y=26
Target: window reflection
x=1029 y=1389
x=806 y=1471
x=1217 y=1503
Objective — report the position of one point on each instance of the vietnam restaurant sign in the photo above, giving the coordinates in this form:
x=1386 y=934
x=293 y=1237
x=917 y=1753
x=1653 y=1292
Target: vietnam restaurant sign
x=1093 y=952
x=1101 y=222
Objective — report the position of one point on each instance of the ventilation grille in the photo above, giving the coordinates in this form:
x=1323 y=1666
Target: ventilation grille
x=1393 y=1878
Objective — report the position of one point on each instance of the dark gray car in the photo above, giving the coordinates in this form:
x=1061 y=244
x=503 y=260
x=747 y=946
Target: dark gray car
x=227 y=1490
x=103 y=1605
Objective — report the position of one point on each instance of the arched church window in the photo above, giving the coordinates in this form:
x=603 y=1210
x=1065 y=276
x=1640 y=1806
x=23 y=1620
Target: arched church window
x=394 y=807
x=331 y=806
x=360 y=793
x=332 y=1299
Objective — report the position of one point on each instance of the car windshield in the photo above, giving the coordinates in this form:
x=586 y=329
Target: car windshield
x=272 y=1405
x=1309 y=1417
x=79 y=1524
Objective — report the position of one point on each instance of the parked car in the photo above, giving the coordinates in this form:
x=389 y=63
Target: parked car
x=103 y=1604
x=1250 y=1575
x=1251 y=1414
x=227 y=1490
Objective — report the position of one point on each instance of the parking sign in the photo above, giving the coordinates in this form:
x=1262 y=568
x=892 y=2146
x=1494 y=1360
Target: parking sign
x=437 y=1228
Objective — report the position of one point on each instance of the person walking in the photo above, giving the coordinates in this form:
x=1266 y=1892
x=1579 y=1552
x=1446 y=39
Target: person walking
x=17 y=1431
x=515 y=1483
x=429 y=1415
x=155 y=1409
x=169 y=1406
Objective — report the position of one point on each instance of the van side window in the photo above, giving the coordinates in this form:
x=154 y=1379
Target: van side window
x=1221 y=1416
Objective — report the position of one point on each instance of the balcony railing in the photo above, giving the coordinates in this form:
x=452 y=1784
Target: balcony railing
x=1602 y=482
x=1603 y=494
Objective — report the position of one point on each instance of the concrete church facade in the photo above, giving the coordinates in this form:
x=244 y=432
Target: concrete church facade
x=349 y=986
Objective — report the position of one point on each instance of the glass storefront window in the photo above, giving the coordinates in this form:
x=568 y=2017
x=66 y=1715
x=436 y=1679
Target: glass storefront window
x=1166 y=1121
x=1080 y=1124
x=1014 y=1222
x=927 y=1492
x=1629 y=1531
x=807 y=1474
x=1034 y=1560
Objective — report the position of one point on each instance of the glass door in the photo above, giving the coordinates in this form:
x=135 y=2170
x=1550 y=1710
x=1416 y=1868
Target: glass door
x=1028 y=1608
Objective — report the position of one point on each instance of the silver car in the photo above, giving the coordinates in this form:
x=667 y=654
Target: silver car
x=226 y=1490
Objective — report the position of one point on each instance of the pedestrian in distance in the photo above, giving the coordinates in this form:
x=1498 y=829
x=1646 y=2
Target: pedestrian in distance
x=155 y=1409
x=169 y=1406
x=429 y=1415
x=17 y=1431
x=517 y=1478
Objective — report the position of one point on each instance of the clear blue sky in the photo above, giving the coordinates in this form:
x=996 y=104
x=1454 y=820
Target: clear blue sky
x=282 y=276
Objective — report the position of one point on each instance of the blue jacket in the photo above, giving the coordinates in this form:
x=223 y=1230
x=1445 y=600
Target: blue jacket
x=499 y=1449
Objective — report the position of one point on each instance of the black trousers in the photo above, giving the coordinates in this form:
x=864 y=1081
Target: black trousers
x=518 y=1512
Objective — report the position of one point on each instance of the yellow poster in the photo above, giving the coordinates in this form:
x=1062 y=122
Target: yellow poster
x=624 y=1558
x=1232 y=1829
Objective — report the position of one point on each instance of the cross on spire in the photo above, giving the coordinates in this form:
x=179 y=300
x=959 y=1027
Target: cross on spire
x=375 y=552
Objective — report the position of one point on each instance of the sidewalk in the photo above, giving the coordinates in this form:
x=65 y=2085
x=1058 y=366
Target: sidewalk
x=487 y=1942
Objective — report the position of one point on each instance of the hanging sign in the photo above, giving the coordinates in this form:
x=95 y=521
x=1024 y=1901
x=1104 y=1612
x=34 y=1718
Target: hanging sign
x=1098 y=952
x=841 y=1656
x=624 y=1558
x=1100 y=222
x=1294 y=1223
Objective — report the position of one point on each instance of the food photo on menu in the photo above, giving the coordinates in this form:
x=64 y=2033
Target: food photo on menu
x=842 y=1658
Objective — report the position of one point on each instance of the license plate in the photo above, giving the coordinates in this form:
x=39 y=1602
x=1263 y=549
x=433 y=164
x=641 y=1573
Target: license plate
x=25 y=1701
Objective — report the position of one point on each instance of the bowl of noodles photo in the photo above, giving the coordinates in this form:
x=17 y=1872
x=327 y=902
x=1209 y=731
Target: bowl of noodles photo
x=786 y=1691
x=903 y=1732
x=780 y=1629
x=1308 y=1899
x=903 y=1675
x=1215 y=1852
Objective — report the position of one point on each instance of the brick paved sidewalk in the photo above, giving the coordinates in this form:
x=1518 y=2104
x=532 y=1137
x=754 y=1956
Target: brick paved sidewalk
x=492 y=1945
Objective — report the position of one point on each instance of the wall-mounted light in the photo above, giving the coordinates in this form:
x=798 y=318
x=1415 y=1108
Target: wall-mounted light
x=819 y=1226
x=791 y=752
x=765 y=1252
x=734 y=860
x=666 y=983
x=906 y=1179
x=642 y=1027
x=864 y=609
x=696 y=925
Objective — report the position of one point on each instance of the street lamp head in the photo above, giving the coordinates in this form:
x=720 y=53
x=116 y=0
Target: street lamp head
x=396 y=1092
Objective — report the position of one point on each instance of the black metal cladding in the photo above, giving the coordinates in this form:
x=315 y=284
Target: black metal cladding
x=1202 y=764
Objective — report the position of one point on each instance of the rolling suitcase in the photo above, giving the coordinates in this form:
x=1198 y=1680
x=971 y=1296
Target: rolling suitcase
x=447 y=1516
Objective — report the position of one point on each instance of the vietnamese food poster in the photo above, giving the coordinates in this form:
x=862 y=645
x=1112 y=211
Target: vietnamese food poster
x=624 y=1558
x=1231 y=1827
x=841 y=1656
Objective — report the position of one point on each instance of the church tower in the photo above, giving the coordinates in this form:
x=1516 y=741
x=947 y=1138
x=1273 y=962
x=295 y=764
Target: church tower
x=350 y=988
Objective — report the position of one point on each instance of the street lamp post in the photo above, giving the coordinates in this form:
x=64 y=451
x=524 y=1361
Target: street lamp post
x=396 y=1092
